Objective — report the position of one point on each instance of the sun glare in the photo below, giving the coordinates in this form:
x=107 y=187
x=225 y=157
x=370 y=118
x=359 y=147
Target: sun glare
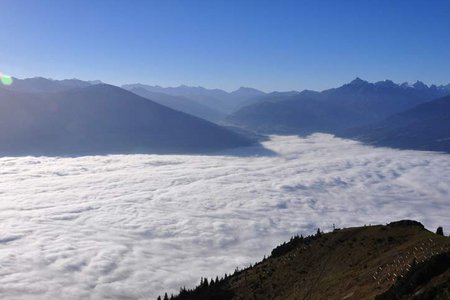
x=6 y=79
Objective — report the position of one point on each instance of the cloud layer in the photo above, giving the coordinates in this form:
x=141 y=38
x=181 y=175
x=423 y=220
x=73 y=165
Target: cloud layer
x=132 y=227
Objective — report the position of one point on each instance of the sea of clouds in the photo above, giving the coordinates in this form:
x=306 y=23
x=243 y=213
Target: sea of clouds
x=135 y=226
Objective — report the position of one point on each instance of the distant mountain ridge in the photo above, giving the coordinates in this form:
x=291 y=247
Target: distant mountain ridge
x=216 y=99
x=374 y=113
x=354 y=104
x=102 y=119
x=45 y=85
x=181 y=103
x=423 y=127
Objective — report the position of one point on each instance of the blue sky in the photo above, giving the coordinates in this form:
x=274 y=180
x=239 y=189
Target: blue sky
x=270 y=45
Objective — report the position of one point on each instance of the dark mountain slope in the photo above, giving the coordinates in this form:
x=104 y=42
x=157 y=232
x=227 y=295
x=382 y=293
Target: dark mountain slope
x=102 y=119
x=355 y=104
x=353 y=263
x=180 y=103
x=298 y=115
x=376 y=101
x=426 y=280
x=424 y=127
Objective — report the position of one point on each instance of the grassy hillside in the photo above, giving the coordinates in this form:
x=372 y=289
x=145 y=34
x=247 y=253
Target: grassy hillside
x=352 y=263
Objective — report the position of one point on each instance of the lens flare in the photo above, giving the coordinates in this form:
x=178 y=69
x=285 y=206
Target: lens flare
x=6 y=79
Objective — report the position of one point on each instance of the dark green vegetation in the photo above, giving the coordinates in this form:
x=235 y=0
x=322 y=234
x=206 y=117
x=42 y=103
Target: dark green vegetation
x=395 y=261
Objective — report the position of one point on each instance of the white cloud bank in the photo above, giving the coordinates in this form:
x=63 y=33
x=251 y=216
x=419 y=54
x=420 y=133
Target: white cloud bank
x=128 y=227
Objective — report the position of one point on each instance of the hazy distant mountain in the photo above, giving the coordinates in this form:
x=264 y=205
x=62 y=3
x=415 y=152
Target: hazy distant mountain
x=44 y=85
x=245 y=96
x=102 y=119
x=276 y=96
x=424 y=127
x=216 y=99
x=180 y=103
x=356 y=103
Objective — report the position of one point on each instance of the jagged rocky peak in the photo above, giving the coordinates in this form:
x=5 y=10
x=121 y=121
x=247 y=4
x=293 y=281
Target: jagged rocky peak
x=405 y=85
x=386 y=83
x=358 y=82
x=420 y=85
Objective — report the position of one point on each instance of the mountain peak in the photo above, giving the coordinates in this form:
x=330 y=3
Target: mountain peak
x=247 y=90
x=405 y=85
x=358 y=81
x=244 y=88
x=420 y=85
x=386 y=83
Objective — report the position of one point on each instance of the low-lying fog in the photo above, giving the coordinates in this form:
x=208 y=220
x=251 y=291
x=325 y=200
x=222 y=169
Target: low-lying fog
x=134 y=226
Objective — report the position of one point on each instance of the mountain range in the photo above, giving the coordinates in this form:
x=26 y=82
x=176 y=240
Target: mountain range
x=423 y=127
x=44 y=117
x=74 y=116
x=181 y=103
x=354 y=104
x=44 y=85
x=220 y=101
